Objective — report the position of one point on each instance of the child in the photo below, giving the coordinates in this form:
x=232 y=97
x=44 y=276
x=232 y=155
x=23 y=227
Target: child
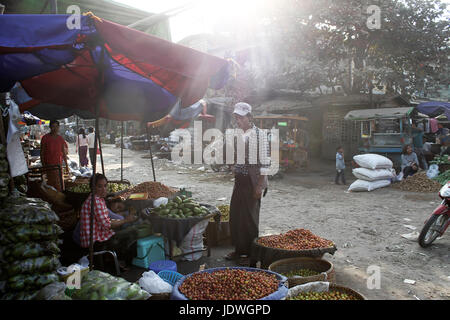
x=340 y=165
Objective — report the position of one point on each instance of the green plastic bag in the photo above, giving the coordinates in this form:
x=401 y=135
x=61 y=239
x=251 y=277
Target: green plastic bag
x=97 y=285
x=33 y=265
x=24 y=282
x=28 y=250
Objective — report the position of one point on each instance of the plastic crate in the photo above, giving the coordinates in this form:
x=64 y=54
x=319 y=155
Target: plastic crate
x=149 y=249
x=170 y=276
x=161 y=265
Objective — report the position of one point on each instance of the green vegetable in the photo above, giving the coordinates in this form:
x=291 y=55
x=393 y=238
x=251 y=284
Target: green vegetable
x=443 y=178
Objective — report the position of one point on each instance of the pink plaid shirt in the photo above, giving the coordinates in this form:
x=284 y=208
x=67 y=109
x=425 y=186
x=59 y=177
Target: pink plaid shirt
x=102 y=223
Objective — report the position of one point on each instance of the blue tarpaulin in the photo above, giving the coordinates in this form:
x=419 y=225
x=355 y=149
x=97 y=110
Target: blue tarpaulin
x=434 y=108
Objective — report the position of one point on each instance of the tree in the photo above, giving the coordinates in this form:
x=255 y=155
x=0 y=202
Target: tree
x=337 y=43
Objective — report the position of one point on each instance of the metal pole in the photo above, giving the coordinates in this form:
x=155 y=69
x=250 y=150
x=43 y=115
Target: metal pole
x=101 y=154
x=151 y=155
x=97 y=112
x=121 y=153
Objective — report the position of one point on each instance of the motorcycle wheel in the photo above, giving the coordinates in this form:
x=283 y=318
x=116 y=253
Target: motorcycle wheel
x=431 y=230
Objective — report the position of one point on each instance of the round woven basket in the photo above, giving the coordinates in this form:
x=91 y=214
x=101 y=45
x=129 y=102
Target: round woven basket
x=268 y=255
x=325 y=268
x=347 y=290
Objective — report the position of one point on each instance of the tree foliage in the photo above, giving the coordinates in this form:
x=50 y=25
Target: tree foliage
x=336 y=43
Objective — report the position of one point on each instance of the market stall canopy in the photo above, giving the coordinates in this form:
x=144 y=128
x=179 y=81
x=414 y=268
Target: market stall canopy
x=382 y=113
x=143 y=76
x=435 y=108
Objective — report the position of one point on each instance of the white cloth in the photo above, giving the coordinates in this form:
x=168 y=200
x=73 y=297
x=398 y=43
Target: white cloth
x=82 y=142
x=14 y=152
x=91 y=140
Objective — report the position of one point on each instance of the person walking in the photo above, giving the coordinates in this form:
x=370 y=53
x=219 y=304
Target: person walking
x=91 y=145
x=54 y=151
x=250 y=183
x=82 y=147
x=340 y=166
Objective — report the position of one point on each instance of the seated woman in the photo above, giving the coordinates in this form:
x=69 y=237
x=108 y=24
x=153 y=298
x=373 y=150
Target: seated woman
x=410 y=162
x=102 y=225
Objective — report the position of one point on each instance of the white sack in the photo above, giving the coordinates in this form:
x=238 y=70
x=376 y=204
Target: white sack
x=373 y=175
x=373 y=161
x=362 y=185
x=317 y=286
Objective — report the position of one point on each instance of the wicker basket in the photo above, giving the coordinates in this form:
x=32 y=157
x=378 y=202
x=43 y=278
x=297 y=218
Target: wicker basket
x=340 y=288
x=325 y=268
x=269 y=255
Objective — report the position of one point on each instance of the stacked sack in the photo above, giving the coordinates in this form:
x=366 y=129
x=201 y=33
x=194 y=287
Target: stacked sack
x=28 y=247
x=4 y=173
x=375 y=172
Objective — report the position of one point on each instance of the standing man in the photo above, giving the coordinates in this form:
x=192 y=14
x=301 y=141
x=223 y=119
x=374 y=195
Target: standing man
x=250 y=182
x=91 y=145
x=53 y=152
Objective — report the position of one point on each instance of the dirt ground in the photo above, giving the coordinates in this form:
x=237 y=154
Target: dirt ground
x=367 y=227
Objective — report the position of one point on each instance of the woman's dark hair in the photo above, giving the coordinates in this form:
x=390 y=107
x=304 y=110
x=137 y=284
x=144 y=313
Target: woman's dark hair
x=337 y=149
x=90 y=129
x=110 y=202
x=96 y=178
x=405 y=148
x=81 y=131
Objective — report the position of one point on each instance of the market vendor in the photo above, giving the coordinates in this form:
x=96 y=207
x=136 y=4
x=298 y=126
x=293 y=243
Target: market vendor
x=103 y=225
x=54 y=151
x=250 y=183
x=410 y=163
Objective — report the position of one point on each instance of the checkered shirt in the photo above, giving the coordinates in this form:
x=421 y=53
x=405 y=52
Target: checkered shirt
x=102 y=223
x=263 y=158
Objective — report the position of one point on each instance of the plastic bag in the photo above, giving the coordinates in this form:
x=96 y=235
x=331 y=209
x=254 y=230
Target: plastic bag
x=152 y=283
x=23 y=282
x=318 y=286
x=433 y=171
x=53 y=291
x=193 y=241
x=26 y=233
x=160 y=201
x=33 y=265
x=97 y=285
x=28 y=250
x=22 y=210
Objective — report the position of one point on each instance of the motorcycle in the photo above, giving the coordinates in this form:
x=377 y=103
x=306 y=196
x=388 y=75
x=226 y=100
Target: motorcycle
x=439 y=221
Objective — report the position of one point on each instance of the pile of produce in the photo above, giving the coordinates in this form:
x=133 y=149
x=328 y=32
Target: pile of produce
x=329 y=295
x=154 y=190
x=229 y=284
x=301 y=273
x=298 y=239
x=443 y=178
x=181 y=207
x=28 y=247
x=111 y=187
x=97 y=285
x=444 y=159
x=418 y=182
x=224 y=213
x=4 y=173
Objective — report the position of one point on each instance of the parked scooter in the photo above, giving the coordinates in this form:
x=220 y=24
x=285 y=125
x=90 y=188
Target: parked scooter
x=439 y=221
